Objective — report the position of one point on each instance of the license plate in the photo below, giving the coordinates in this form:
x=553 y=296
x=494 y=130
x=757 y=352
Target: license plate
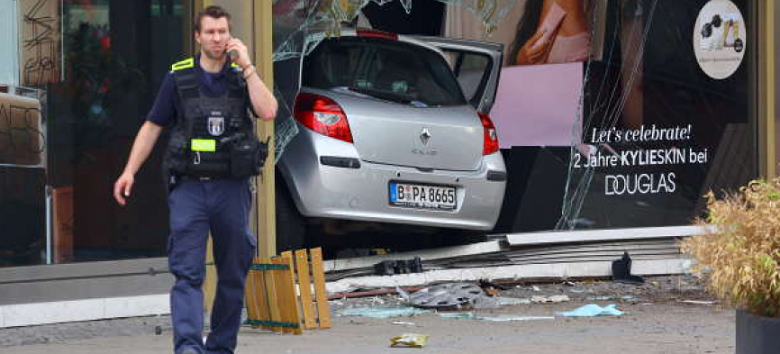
x=422 y=196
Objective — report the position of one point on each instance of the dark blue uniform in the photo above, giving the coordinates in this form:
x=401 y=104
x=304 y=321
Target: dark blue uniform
x=198 y=206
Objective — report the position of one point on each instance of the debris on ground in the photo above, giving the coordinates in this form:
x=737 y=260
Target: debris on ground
x=414 y=340
x=459 y=296
x=553 y=299
x=621 y=271
x=698 y=302
x=398 y=267
x=592 y=310
x=609 y=298
x=494 y=302
x=374 y=292
x=499 y=318
x=446 y=296
x=382 y=311
x=403 y=323
x=490 y=288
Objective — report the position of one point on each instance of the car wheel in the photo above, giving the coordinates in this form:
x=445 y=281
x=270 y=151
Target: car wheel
x=290 y=225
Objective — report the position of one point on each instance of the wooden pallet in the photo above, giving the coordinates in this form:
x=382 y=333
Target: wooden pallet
x=279 y=292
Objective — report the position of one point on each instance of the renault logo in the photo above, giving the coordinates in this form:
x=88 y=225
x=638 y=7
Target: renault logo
x=425 y=136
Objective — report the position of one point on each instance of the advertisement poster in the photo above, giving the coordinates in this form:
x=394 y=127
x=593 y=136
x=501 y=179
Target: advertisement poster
x=649 y=96
x=669 y=126
x=719 y=39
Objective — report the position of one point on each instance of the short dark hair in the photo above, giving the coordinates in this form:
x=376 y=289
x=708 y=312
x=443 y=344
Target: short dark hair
x=212 y=11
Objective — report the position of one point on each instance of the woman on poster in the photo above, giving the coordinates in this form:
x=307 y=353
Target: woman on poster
x=551 y=31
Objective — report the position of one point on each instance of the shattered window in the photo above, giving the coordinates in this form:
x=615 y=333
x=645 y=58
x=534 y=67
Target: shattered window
x=619 y=113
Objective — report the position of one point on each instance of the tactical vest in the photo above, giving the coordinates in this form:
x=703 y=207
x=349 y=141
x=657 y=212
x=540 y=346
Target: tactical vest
x=207 y=129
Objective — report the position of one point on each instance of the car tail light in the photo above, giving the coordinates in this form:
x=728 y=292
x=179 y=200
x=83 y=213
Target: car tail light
x=491 y=136
x=322 y=115
x=377 y=34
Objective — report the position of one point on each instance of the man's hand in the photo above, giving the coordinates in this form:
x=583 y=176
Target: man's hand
x=142 y=146
x=122 y=187
x=263 y=101
x=242 y=58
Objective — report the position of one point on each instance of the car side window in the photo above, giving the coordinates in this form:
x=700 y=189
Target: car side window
x=471 y=70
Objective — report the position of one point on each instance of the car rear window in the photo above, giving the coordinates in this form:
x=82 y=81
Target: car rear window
x=384 y=69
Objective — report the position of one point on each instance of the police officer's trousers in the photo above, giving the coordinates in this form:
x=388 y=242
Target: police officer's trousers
x=197 y=207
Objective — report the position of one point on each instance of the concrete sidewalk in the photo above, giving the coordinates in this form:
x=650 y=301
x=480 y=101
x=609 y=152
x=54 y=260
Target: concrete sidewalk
x=657 y=319
x=645 y=328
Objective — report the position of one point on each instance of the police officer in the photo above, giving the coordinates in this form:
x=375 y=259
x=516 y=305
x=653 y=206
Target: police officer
x=211 y=155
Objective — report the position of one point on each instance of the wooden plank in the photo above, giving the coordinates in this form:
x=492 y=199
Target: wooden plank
x=273 y=298
x=250 y=295
x=283 y=292
x=255 y=295
x=263 y=51
x=323 y=309
x=284 y=311
x=304 y=281
x=290 y=298
x=263 y=296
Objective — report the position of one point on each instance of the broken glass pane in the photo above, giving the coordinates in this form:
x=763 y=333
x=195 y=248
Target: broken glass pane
x=657 y=129
x=295 y=20
x=621 y=127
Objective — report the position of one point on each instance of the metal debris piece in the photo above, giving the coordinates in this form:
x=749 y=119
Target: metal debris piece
x=449 y=295
x=499 y=318
x=698 y=302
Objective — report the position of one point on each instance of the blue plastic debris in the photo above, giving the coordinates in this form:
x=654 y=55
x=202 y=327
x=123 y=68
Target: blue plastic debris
x=593 y=310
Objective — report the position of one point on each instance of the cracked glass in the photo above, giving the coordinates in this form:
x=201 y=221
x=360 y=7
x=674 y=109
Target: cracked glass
x=606 y=114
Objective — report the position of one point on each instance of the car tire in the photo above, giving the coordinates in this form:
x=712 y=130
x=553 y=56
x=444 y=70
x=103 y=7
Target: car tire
x=290 y=224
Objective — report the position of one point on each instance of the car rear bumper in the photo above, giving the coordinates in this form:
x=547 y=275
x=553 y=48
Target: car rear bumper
x=362 y=193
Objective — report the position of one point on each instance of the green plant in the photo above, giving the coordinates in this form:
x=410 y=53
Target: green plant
x=740 y=252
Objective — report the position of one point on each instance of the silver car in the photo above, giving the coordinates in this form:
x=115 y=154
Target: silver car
x=393 y=129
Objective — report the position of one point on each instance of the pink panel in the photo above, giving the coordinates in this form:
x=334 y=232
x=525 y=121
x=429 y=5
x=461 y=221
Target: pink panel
x=537 y=105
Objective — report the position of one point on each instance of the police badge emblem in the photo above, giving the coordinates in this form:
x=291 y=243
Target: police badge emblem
x=216 y=125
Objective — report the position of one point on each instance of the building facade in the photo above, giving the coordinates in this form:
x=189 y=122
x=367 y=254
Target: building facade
x=671 y=100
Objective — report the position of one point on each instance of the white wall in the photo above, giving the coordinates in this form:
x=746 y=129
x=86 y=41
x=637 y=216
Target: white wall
x=9 y=43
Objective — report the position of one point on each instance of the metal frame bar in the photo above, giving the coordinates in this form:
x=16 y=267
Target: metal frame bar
x=27 y=274
x=266 y=195
x=766 y=89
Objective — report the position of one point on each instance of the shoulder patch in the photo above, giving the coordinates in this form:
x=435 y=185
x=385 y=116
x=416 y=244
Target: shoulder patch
x=184 y=64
